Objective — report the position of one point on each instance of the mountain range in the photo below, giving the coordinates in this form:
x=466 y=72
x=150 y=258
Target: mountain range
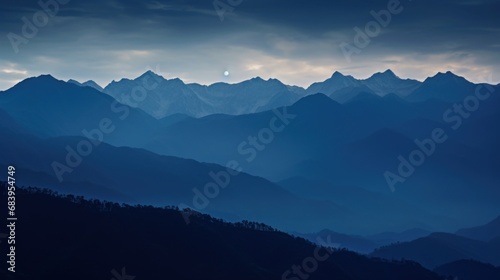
x=172 y=96
x=168 y=97
x=312 y=164
x=485 y=232
x=314 y=161
x=88 y=83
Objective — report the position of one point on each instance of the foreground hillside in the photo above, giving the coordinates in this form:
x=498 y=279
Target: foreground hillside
x=70 y=237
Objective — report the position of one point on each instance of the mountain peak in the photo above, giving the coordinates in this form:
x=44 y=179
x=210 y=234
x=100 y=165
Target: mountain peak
x=45 y=77
x=71 y=81
x=150 y=74
x=387 y=74
x=314 y=101
x=274 y=81
x=88 y=83
x=42 y=83
x=92 y=84
x=447 y=73
x=447 y=76
x=337 y=74
x=257 y=79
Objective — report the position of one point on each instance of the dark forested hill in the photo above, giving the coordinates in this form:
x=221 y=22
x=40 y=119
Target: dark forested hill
x=70 y=237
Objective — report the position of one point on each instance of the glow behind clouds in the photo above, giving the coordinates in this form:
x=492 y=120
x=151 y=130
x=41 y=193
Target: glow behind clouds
x=294 y=41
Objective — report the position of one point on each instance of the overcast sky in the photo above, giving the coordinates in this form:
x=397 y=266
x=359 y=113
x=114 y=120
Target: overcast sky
x=296 y=41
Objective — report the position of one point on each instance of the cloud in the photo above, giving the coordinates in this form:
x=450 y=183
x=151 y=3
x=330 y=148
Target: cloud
x=14 y=71
x=296 y=41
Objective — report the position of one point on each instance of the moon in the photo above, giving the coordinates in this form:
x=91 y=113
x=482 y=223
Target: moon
x=226 y=73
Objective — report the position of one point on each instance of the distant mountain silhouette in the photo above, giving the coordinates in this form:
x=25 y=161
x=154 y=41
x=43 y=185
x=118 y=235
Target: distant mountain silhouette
x=175 y=97
x=350 y=145
x=440 y=248
x=173 y=119
x=354 y=243
x=394 y=237
x=159 y=97
x=444 y=86
x=48 y=107
x=359 y=94
x=336 y=82
x=408 y=214
x=164 y=97
x=485 y=232
x=342 y=88
x=469 y=270
x=365 y=244
x=333 y=142
x=88 y=83
x=348 y=94
x=166 y=180
x=387 y=82
x=149 y=243
x=251 y=96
